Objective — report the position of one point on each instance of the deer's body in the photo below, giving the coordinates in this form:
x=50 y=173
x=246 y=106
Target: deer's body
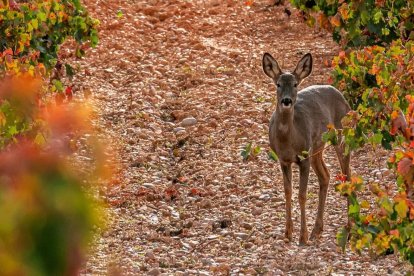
x=292 y=133
x=296 y=127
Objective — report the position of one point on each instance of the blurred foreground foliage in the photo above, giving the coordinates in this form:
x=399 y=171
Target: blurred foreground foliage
x=47 y=213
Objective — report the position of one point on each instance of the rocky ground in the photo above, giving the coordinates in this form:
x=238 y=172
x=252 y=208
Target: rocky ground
x=181 y=91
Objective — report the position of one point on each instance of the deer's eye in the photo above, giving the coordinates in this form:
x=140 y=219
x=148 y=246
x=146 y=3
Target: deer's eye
x=278 y=84
x=295 y=85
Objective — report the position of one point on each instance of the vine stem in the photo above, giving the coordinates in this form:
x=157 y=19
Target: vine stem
x=315 y=153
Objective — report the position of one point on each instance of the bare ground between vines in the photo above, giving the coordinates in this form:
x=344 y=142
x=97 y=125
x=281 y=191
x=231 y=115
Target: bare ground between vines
x=184 y=202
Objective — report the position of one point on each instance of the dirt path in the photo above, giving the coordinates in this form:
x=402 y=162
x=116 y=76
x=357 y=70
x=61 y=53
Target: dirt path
x=184 y=202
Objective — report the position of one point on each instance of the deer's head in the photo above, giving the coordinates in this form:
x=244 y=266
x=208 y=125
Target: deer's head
x=287 y=83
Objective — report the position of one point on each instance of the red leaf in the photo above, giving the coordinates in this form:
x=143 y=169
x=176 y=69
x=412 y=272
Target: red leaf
x=404 y=166
x=8 y=52
x=341 y=177
x=195 y=192
x=249 y=3
x=395 y=233
x=13 y=5
x=142 y=192
x=182 y=179
x=398 y=122
x=68 y=92
x=171 y=193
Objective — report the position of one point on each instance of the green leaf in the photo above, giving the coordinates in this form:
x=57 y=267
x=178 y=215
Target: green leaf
x=330 y=137
x=12 y=130
x=342 y=238
x=386 y=204
x=256 y=150
x=41 y=16
x=372 y=229
x=377 y=16
x=245 y=153
x=119 y=14
x=94 y=38
x=377 y=138
x=354 y=209
x=58 y=85
x=272 y=156
x=69 y=70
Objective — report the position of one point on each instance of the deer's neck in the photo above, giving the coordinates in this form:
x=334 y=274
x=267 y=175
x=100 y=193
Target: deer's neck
x=285 y=125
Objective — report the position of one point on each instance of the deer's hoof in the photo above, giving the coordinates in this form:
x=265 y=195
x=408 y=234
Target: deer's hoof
x=288 y=236
x=316 y=234
x=303 y=242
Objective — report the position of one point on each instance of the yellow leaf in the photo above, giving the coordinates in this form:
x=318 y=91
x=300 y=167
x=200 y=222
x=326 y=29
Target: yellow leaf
x=35 y=23
x=40 y=139
x=356 y=180
x=330 y=126
x=2 y=119
x=364 y=204
x=401 y=208
x=343 y=9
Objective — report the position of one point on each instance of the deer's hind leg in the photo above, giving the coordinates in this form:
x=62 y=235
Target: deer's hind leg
x=344 y=159
x=304 y=167
x=344 y=162
x=322 y=173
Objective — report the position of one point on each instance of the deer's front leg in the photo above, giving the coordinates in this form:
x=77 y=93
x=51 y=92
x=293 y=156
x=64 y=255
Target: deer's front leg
x=287 y=183
x=304 y=166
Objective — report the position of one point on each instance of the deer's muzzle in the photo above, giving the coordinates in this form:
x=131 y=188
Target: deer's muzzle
x=286 y=102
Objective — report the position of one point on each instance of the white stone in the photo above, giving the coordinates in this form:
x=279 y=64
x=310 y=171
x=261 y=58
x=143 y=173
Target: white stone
x=189 y=121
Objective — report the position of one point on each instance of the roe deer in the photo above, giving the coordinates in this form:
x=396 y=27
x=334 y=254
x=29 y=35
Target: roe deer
x=296 y=126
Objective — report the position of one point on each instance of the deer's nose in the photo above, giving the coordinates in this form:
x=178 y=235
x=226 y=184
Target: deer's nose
x=286 y=101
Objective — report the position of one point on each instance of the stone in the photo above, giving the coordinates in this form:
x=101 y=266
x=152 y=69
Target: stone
x=205 y=204
x=241 y=235
x=154 y=272
x=178 y=129
x=149 y=186
x=189 y=121
x=247 y=226
x=256 y=211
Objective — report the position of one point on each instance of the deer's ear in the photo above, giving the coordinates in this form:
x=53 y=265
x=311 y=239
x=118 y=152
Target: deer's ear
x=270 y=67
x=304 y=67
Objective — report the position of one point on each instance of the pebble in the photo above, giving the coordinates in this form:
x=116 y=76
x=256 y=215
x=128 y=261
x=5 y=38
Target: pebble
x=247 y=226
x=178 y=129
x=241 y=235
x=248 y=245
x=189 y=121
x=154 y=272
x=205 y=204
x=207 y=261
x=149 y=256
x=256 y=211
x=264 y=197
x=149 y=186
x=180 y=133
